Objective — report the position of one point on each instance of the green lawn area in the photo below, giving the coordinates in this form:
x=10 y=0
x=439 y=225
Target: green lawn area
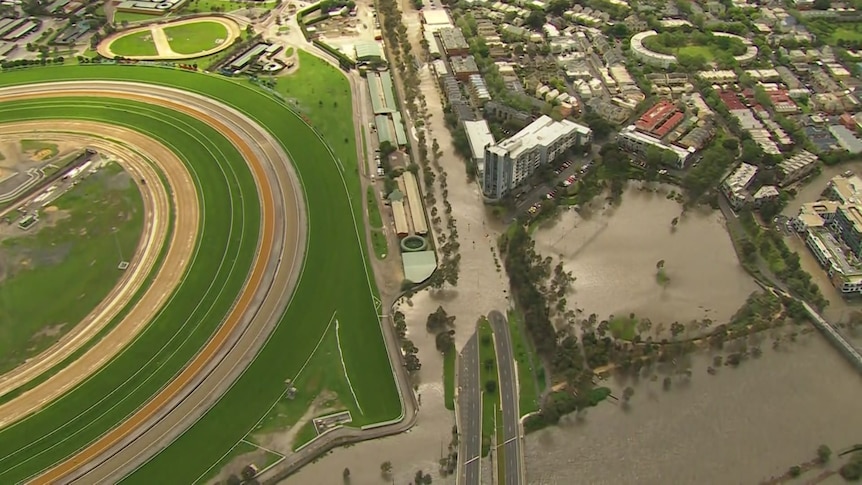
x=338 y=283
x=135 y=44
x=488 y=374
x=323 y=376
x=531 y=375
x=196 y=6
x=381 y=246
x=33 y=146
x=374 y=219
x=80 y=251
x=306 y=433
x=852 y=33
x=196 y=37
x=703 y=51
x=449 y=378
x=128 y=17
x=624 y=328
x=378 y=237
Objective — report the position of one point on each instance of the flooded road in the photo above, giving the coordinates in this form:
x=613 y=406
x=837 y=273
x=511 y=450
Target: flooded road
x=613 y=253
x=742 y=425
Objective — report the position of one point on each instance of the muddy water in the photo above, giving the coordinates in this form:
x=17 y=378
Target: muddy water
x=838 y=309
x=613 y=252
x=740 y=426
x=418 y=449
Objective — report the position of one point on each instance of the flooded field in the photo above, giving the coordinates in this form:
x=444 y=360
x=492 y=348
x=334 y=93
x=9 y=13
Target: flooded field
x=613 y=253
x=742 y=425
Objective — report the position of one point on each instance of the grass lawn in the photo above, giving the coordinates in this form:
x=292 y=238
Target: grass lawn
x=128 y=17
x=79 y=251
x=487 y=375
x=197 y=6
x=703 y=51
x=196 y=37
x=33 y=146
x=853 y=34
x=322 y=383
x=339 y=282
x=531 y=375
x=305 y=434
x=374 y=219
x=136 y=44
x=624 y=328
x=381 y=246
x=449 y=378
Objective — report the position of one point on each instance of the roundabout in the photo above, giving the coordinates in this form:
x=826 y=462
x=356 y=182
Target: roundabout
x=176 y=40
x=262 y=283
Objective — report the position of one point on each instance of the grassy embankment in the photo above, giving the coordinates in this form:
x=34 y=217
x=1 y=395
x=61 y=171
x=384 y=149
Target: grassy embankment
x=378 y=237
x=196 y=37
x=489 y=380
x=449 y=358
x=79 y=251
x=339 y=282
x=531 y=375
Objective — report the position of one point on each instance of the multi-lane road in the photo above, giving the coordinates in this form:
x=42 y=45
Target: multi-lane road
x=470 y=408
x=510 y=450
x=470 y=413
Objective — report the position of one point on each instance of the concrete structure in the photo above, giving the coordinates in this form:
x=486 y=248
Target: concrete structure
x=797 y=167
x=414 y=201
x=453 y=41
x=479 y=135
x=512 y=160
x=368 y=51
x=434 y=19
x=463 y=67
x=649 y=57
x=735 y=187
x=155 y=8
x=846 y=138
x=633 y=141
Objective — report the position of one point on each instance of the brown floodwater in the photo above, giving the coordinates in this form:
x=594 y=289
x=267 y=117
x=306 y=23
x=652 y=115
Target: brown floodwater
x=613 y=253
x=742 y=425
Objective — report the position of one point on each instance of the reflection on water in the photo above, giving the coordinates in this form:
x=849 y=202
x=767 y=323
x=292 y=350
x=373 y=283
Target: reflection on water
x=613 y=253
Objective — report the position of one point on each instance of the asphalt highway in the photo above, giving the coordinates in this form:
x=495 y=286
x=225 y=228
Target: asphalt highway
x=511 y=448
x=470 y=413
x=255 y=313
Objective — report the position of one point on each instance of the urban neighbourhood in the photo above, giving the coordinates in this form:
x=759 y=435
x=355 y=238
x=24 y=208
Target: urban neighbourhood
x=582 y=225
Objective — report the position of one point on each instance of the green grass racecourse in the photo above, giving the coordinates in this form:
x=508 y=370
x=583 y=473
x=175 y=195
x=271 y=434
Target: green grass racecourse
x=335 y=279
x=131 y=45
x=196 y=37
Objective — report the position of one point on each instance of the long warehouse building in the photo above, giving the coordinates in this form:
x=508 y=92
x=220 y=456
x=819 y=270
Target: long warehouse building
x=400 y=216
x=414 y=199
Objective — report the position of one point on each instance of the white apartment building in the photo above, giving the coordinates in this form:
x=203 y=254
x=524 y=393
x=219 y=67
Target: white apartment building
x=736 y=185
x=633 y=141
x=510 y=161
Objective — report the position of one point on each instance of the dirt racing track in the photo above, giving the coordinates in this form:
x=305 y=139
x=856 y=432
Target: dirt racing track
x=268 y=286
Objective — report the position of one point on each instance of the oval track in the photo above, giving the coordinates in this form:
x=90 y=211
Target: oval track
x=274 y=273
x=135 y=153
